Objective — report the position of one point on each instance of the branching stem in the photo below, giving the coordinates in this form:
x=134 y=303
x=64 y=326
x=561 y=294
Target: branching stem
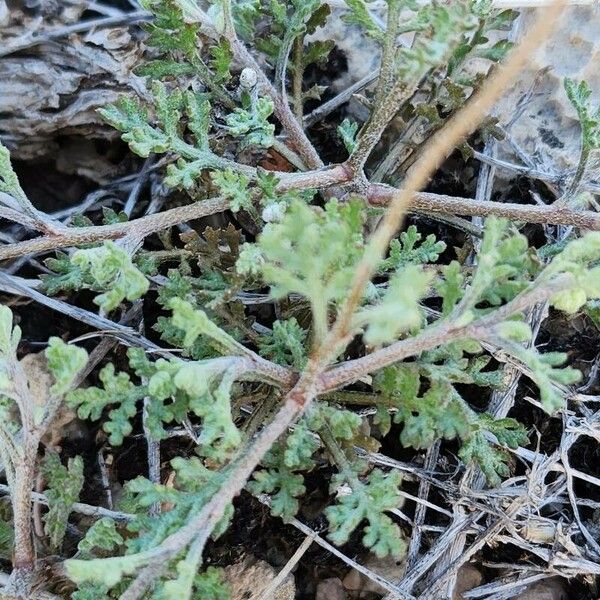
x=378 y=195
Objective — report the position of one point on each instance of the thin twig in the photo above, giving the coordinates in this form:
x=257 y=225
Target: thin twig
x=79 y=507
x=378 y=579
x=331 y=105
x=272 y=586
x=431 y=458
x=13 y=285
x=532 y=172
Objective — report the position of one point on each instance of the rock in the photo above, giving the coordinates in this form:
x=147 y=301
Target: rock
x=549 y=589
x=331 y=589
x=362 y=54
x=4 y=14
x=389 y=568
x=249 y=577
x=468 y=577
x=548 y=130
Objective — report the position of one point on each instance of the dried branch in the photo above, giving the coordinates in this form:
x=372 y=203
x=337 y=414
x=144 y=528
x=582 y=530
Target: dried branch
x=380 y=195
x=331 y=105
x=271 y=587
x=79 y=507
x=36 y=38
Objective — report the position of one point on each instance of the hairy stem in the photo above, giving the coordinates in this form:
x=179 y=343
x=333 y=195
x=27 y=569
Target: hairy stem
x=22 y=576
x=74 y=236
x=298 y=100
x=380 y=119
x=556 y=214
x=436 y=335
x=377 y=194
x=573 y=188
x=389 y=51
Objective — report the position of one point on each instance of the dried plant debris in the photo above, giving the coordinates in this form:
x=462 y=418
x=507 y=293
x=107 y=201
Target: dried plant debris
x=52 y=84
x=244 y=355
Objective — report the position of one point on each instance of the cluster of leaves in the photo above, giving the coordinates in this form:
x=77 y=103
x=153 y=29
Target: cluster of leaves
x=291 y=258
x=579 y=95
x=64 y=484
x=194 y=485
x=459 y=79
x=110 y=268
x=303 y=17
x=285 y=344
x=176 y=113
x=289 y=458
x=422 y=397
x=409 y=249
x=505 y=267
x=210 y=282
x=175 y=37
x=245 y=194
x=368 y=498
x=176 y=388
x=98 y=267
x=449 y=83
x=132 y=118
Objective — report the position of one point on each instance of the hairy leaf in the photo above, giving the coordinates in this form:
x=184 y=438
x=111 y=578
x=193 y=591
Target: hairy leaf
x=285 y=344
x=63 y=485
x=369 y=501
x=102 y=535
x=111 y=267
x=65 y=361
